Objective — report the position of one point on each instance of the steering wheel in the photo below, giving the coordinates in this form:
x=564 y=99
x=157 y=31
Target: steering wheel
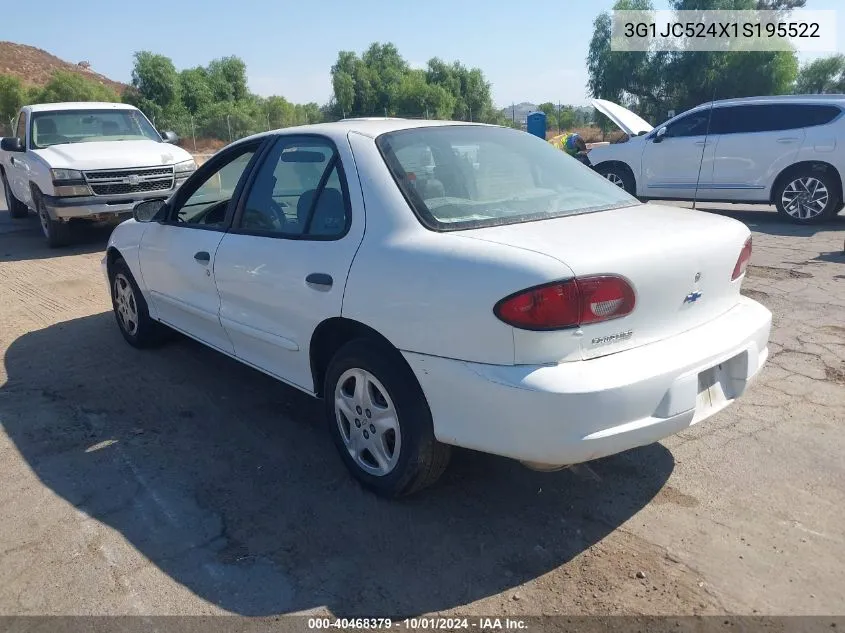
x=274 y=221
x=277 y=210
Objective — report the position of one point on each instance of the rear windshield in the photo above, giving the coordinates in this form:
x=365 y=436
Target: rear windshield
x=461 y=176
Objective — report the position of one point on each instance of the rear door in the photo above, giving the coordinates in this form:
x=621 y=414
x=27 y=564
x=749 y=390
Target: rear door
x=282 y=268
x=757 y=142
x=178 y=256
x=682 y=161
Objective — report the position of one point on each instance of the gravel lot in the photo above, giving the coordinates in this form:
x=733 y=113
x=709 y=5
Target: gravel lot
x=180 y=482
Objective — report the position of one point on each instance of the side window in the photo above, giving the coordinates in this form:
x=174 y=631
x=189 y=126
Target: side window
x=298 y=192
x=748 y=119
x=694 y=124
x=811 y=115
x=208 y=199
x=21 y=128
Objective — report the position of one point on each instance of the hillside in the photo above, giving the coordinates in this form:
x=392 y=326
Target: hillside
x=34 y=66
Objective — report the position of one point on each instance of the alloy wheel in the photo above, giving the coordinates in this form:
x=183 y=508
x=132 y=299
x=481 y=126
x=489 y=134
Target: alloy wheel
x=805 y=198
x=368 y=422
x=616 y=179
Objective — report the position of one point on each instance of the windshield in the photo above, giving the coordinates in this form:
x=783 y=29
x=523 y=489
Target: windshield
x=460 y=177
x=84 y=126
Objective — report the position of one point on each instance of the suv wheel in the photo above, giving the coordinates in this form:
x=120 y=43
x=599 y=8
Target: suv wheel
x=807 y=196
x=619 y=175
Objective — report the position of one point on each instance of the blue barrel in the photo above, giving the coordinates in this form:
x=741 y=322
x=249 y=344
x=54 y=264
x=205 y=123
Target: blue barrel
x=536 y=124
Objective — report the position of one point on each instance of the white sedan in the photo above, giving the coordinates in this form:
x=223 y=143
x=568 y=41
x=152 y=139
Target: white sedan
x=446 y=284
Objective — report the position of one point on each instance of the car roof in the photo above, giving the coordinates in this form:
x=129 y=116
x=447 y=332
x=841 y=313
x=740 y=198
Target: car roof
x=838 y=99
x=366 y=126
x=77 y=105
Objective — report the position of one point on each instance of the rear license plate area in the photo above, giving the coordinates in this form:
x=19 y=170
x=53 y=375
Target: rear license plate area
x=712 y=390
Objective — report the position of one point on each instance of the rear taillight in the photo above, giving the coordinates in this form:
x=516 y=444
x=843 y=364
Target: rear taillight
x=742 y=262
x=566 y=304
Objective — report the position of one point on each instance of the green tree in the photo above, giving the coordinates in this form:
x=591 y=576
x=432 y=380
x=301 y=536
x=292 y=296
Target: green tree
x=381 y=82
x=822 y=76
x=227 y=78
x=13 y=95
x=156 y=81
x=68 y=86
x=195 y=89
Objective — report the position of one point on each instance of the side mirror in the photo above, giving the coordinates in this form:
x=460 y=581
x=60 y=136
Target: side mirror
x=12 y=144
x=148 y=210
x=169 y=137
x=661 y=134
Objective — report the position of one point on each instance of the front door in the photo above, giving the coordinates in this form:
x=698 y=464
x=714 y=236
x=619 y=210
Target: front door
x=18 y=167
x=682 y=161
x=282 y=268
x=178 y=255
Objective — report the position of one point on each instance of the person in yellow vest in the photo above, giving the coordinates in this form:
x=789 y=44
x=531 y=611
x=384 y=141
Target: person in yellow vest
x=573 y=144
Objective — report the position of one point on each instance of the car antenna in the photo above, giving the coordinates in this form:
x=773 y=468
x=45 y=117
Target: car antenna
x=703 y=148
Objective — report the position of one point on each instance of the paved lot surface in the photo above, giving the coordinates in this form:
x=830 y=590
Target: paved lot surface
x=179 y=482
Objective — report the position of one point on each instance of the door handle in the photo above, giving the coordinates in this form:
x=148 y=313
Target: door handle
x=701 y=142
x=322 y=280
x=202 y=257
x=787 y=140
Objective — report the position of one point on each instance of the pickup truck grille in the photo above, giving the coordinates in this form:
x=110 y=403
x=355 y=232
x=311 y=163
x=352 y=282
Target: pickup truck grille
x=120 y=181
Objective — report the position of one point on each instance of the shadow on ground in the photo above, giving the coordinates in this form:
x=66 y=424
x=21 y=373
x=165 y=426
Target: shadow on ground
x=228 y=482
x=21 y=239
x=771 y=223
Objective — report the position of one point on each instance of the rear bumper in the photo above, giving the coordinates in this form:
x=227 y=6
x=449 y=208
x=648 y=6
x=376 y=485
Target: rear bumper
x=577 y=411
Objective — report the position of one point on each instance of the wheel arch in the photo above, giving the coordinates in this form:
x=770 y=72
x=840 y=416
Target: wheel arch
x=330 y=335
x=112 y=255
x=619 y=164
x=813 y=165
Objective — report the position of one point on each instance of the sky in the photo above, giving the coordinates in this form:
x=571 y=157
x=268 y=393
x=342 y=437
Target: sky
x=529 y=51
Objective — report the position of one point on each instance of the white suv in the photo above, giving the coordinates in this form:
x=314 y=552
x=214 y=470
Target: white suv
x=787 y=150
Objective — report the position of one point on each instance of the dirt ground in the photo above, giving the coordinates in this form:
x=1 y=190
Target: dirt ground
x=177 y=481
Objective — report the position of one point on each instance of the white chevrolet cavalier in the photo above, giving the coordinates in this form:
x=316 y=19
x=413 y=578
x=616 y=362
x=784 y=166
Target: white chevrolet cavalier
x=446 y=284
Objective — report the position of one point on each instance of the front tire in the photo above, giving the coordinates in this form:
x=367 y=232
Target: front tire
x=56 y=232
x=380 y=421
x=807 y=196
x=619 y=175
x=17 y=209
x=130 y=308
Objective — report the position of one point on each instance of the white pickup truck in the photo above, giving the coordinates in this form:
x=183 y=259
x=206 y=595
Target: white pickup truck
x=86 y=162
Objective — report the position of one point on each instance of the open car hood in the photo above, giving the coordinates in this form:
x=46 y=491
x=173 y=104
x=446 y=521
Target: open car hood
x=630 y=123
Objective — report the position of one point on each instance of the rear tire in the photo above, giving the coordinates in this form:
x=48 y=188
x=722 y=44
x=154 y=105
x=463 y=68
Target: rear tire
x=130 y=309
x=379 y=420
x=620 y=175
x=17 y=209
x=56 y=232
x=807 y=196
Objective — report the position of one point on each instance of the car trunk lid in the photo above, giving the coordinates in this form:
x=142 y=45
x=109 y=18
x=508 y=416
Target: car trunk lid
x=679 y=263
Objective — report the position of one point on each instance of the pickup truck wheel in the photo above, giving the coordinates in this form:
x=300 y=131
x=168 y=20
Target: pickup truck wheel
x=56 y=232
x=130 y=308
x=17 y=209
x=380 y=421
